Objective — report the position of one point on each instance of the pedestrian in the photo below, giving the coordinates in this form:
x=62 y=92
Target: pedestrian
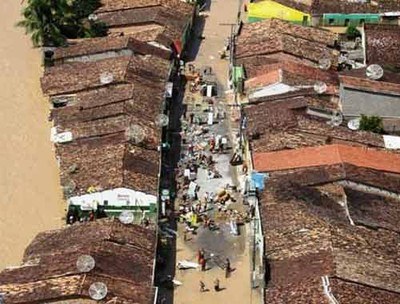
x=203 y=263
x=200 y=255
x=202 y=286
x=227 y=268
x=216 y=285
x=185 y=236
x=191 y=117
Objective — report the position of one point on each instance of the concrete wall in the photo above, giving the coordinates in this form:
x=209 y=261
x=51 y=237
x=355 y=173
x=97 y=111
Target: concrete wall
x=100 y=56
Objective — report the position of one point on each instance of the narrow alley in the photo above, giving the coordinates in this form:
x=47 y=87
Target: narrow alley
x=212 y=243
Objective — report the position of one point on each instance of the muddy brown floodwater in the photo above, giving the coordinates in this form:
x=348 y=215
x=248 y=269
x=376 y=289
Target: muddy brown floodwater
x=30 y=196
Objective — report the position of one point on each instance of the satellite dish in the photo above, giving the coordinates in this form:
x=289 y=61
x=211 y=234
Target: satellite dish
x=320 y=87
x=106 y=77
x=85 y=263
x=93 y=17
x=354 y=124
x=126 y=217
x=336 y=119
x=135 y=134
x=374 y=72
x=162 y=120
x=98 y=291
x=324 y=63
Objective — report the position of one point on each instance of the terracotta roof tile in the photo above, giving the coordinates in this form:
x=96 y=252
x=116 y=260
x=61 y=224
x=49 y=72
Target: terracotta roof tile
x=327 y=155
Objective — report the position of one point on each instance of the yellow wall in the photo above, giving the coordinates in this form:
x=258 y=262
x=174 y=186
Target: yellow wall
x=269 y=9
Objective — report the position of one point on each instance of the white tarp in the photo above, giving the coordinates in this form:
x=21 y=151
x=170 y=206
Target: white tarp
x=391 y=142
x=273 y=89
x=118 y=197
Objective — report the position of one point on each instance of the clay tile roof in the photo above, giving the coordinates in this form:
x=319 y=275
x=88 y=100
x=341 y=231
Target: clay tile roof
x=349 y=7
x=308 y=235
x=123 y=261
x=90 y=46
x=78 y=76
x=327 y=155
x=383 y=44
x=278 y=36
x=109 y=162
x=357 y=79
x=117 y=5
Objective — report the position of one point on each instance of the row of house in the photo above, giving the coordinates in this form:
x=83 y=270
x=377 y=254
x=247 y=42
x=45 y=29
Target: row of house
x=325 y=226
x=109 y=98
x=339 y=13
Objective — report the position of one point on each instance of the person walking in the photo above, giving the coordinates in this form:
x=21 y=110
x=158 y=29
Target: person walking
x=203 y=264
x=202 y=286
x=227 y=268
x=216 y=285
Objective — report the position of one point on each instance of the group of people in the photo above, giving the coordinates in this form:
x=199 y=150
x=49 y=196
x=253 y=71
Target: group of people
x=203 y=262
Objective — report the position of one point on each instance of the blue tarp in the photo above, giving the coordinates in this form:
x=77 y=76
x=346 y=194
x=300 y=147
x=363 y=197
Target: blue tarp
x=258 y=179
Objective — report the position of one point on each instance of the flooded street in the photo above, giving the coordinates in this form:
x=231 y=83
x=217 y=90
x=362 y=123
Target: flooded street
x=31 y=198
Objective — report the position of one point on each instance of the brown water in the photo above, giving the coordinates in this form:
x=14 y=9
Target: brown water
x=30 y=196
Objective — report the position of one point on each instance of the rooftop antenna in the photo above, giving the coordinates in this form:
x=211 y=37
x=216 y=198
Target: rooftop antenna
x=85 y=263
x=162 y=120
x=324 y=63
x=354 y=124
x=336 y=119
x=135 y=134
x=320 y=87
x=374 y=72
x=98 y=291
x=126 y=217
x=106 y=78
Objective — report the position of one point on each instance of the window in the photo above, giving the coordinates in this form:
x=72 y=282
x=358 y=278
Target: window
x=346 y=22
x=305 y=20
x=362 y=22
x=331 y=21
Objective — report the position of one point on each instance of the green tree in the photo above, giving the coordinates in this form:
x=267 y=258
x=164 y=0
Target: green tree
x=371 y=123
x=52 y=22
x=352 y=32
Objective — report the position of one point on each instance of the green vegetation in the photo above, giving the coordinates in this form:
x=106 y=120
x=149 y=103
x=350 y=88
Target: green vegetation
x=371 y=123
x=52 y=22
x=352 y=32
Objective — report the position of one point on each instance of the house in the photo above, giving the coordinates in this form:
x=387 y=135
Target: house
x=93 y=49
x=75 y=77
x=346 y=12
x=105 y=129
x=270 y=41
x=169 y=22
x=341 y=13
x=121 y=258
x=279 y=77
x=294 y=122
x=382 y=45
x=331 y=235
x=360 y=94
x=268 y=9
x=327 y=155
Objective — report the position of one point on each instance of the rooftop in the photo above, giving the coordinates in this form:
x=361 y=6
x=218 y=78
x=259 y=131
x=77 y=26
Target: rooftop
x=383 y=44
x=108 y=162
x=110 y=110
x=123 y=255
x=90 y=46
x=278 y=36
x=327 y=155
x=78 y=76
x=357 y=79
x=117 y=5
x=348 y=6
x=309 y=235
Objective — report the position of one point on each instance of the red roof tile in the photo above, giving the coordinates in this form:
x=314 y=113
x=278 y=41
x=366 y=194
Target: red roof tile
x=327 y=155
